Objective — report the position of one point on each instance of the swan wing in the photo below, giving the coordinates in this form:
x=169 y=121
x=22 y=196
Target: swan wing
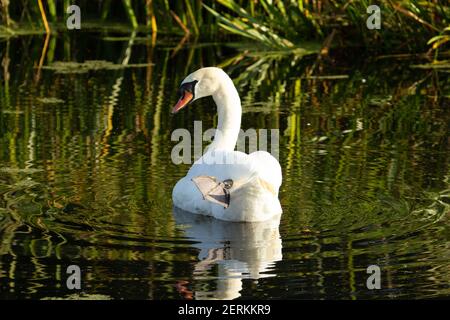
x=252 y=196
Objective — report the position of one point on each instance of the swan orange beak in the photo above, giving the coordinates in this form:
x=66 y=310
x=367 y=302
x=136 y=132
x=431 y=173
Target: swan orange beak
x=184 y=101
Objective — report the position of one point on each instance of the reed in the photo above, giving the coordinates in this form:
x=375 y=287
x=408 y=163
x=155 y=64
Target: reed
x=407 y=26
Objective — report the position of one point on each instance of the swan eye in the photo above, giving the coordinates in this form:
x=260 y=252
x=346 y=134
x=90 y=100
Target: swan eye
x=187 y=86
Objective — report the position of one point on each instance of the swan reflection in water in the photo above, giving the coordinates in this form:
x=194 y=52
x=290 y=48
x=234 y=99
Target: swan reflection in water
x=240 y=250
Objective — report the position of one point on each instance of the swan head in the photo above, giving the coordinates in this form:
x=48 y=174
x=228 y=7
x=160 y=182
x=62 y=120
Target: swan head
x=201 y=83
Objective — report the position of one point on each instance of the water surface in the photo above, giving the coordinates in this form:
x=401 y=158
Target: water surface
x=86 y=174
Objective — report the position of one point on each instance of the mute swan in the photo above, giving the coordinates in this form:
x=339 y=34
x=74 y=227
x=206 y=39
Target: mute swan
x=226 y=184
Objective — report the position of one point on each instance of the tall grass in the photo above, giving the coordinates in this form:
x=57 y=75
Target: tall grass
x=286 y=24
x=149 y=13
x=410 y=26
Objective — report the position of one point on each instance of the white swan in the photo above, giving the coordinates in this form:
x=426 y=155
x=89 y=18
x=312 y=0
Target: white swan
x=226 y=184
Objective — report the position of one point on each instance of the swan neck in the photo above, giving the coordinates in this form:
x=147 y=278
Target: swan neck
x=229 y=116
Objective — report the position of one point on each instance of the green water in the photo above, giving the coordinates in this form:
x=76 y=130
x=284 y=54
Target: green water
x=86 y=175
